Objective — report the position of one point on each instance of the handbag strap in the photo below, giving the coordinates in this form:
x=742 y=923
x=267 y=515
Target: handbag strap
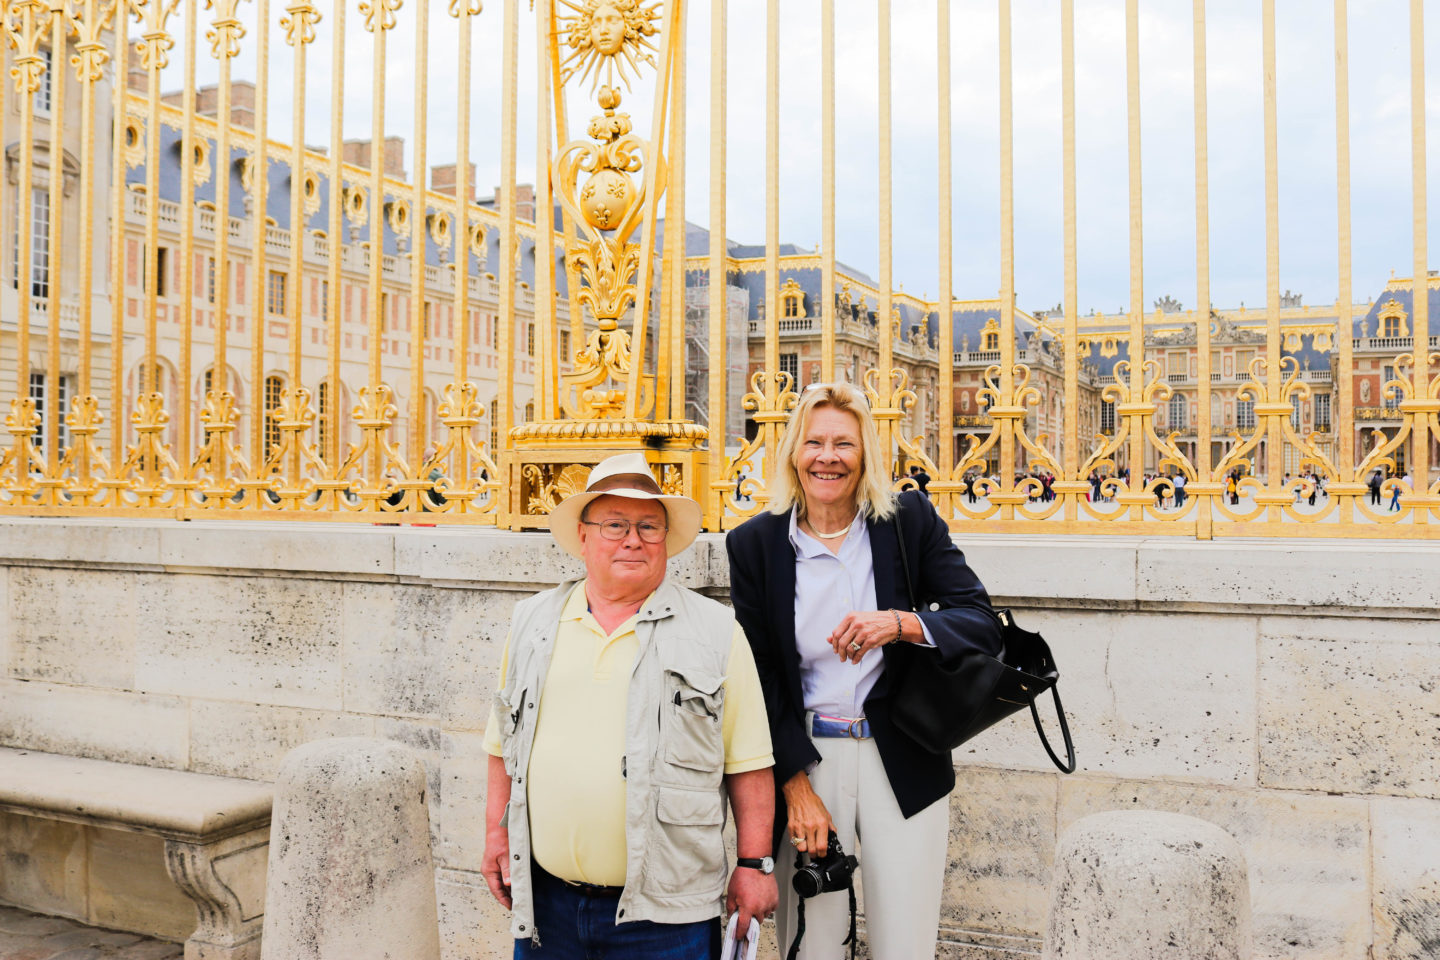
x=1065 y=767
x=1064 y=729
x=904 y=560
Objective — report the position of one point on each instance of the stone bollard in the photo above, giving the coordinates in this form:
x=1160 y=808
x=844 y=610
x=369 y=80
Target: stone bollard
x=350 y=874
x=1145 y=885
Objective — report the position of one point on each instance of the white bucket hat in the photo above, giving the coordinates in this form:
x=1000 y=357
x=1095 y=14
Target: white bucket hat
x=625 y=475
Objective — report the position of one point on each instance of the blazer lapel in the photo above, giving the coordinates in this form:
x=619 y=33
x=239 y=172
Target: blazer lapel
x=782 y=592
x=885 y=557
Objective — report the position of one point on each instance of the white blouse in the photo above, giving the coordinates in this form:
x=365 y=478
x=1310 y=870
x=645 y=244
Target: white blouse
x=827 y=587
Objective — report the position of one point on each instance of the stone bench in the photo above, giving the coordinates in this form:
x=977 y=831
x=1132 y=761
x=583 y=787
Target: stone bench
x=166 y=853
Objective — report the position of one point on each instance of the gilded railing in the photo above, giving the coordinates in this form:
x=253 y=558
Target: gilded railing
x=309 y=333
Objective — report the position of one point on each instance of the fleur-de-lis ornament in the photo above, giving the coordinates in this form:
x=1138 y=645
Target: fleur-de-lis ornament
x=299 y=22
x=155 y=42
x=381 y=12
x=227 y=30
x=89 y=21
x=26 y=23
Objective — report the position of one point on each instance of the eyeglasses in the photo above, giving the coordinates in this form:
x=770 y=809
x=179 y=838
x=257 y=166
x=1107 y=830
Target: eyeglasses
x=649 y=531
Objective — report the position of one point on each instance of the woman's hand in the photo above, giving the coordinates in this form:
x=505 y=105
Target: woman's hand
x=808 y=819
x=859 y=633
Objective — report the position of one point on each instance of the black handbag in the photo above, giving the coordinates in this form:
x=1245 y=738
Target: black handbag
x=941 y=704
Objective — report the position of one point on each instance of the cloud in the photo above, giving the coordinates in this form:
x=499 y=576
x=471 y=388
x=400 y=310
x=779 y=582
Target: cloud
x=1379 y=115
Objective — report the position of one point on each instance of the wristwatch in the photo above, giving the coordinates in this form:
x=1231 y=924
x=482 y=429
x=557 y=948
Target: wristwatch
x=765 y=865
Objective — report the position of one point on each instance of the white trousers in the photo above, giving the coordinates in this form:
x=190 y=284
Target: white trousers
x=902 y=862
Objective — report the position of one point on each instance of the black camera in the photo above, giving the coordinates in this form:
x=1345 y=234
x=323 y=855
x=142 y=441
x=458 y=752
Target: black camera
x=834 y=871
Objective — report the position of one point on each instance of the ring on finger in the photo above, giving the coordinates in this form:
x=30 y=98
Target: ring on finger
x=855 y=645
x=796 y=841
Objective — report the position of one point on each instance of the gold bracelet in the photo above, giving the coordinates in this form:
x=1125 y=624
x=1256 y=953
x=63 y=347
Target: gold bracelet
x=898 y=629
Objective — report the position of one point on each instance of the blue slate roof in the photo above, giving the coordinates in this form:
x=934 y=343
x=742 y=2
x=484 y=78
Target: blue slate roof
x=277 y=206
x=1404 y=294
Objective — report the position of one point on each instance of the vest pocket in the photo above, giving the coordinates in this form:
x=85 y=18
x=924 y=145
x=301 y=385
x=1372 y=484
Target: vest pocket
x=510 y=707
x=688 y=855
x=694 y=702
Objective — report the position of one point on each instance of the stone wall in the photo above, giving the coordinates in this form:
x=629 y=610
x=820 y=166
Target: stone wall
x=1284 y=690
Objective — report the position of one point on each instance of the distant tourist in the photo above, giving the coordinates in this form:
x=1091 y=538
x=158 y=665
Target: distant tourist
x=1395 y=492
x=921 y=478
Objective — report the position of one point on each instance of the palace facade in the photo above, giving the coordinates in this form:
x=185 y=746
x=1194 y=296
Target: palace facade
x=262 y=292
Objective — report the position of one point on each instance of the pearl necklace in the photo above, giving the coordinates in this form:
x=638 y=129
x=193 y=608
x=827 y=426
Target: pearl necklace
x=830 y=536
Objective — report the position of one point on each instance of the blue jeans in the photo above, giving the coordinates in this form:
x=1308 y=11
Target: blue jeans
x=576 y=927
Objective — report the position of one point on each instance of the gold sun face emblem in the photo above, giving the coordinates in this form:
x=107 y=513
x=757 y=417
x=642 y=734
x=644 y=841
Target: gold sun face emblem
x=608 y=36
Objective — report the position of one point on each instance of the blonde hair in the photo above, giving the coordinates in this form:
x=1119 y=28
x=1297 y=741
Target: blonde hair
x=873 y=495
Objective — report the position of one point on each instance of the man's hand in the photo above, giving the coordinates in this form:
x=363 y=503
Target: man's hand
x=495 y=862
x=752 y=894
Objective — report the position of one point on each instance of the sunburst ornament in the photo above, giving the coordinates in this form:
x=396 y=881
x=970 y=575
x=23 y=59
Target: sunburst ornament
x=607 y=36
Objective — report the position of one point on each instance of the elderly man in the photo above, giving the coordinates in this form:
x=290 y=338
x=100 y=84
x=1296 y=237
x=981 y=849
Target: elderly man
x=628 y=706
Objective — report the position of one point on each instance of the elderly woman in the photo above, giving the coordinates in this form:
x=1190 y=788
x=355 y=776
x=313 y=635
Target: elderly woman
x=818 y=585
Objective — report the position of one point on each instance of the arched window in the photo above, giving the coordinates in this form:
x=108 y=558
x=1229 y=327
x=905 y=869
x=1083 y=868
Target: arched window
x=274 y=387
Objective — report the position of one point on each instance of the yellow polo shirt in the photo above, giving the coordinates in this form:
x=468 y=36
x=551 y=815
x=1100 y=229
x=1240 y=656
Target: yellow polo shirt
x=575 y=793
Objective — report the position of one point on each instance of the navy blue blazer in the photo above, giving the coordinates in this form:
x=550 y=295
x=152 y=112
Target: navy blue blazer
x=762 y=590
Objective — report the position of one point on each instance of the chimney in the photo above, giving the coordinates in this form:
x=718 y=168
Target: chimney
x=524 y=201
x=139 y=78
x=358 y=153
x=242 y=104
x=442 y=180
x=207 y=102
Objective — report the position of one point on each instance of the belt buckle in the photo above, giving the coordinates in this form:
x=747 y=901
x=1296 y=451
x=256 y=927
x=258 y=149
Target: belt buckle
x=853 y=729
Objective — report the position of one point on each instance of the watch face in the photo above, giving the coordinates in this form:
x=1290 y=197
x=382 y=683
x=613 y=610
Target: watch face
x=767 y=864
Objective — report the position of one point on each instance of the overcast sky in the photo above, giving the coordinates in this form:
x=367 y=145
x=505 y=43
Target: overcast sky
x=1380 y=134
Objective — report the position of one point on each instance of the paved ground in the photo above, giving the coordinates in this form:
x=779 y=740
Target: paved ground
x=30 y=936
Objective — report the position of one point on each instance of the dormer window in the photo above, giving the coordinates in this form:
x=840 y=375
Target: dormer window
x=1392 y=320
x=990 y=335
x=792 y=300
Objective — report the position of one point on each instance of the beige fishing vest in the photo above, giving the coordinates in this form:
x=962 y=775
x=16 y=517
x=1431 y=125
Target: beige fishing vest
x=674 y=761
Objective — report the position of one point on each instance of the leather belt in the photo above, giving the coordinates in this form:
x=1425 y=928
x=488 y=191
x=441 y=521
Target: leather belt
x=857 y=728
x=593 y=890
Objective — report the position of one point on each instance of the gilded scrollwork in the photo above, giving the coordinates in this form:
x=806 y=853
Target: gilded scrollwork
x=607 y=206
x=469 y=481
x=546 y=484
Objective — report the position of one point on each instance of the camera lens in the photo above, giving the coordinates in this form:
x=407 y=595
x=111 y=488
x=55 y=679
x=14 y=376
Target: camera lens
x=806 y=882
